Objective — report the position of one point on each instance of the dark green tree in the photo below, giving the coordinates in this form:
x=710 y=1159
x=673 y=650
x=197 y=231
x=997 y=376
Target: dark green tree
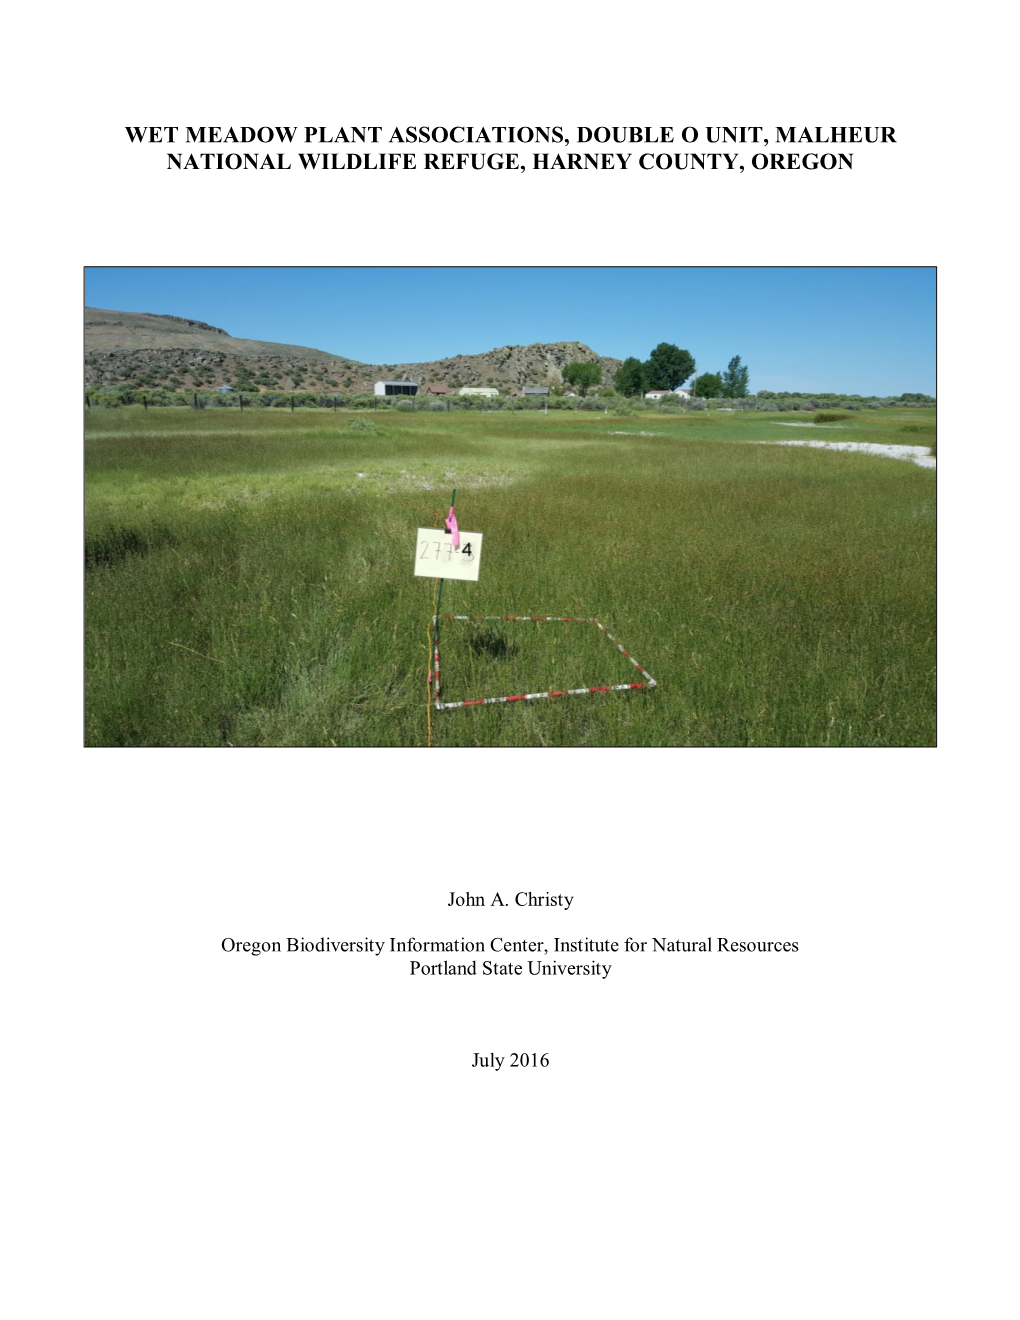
x=667 y=367
x=584 y=375
x=630 y=377
x=709 y=385
x=735 y=379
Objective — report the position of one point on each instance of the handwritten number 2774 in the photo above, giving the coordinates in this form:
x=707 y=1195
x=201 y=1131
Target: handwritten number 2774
x=447 y=546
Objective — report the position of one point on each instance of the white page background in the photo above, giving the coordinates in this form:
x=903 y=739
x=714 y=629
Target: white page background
x=717 y=1136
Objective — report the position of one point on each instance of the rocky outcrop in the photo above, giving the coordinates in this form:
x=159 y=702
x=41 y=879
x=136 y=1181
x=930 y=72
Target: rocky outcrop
x=181 y=320
x=141 y=348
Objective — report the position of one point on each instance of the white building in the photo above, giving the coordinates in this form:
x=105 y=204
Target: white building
x=487 y=393
x=684 y=394
x=387 y=388
x=657 y=394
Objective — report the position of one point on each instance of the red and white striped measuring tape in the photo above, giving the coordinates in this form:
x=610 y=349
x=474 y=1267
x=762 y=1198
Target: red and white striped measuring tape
x=528 y=696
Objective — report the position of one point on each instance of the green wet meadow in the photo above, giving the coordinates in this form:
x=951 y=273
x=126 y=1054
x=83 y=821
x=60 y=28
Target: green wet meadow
x=249 y=578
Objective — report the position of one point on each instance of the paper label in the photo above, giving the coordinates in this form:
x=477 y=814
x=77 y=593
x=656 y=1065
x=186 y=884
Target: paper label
x=436 y=556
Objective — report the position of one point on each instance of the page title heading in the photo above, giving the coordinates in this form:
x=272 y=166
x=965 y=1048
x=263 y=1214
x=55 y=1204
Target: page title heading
x=549 y=148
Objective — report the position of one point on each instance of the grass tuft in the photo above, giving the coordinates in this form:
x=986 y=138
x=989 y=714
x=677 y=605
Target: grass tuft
x=114 y=544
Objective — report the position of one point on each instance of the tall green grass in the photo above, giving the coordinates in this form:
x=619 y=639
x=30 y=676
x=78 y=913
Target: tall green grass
x=249 y=580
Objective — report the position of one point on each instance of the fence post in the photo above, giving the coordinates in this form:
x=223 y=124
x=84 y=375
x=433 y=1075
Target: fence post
x=334 y=403
x=88 y=402
x=195 y=398
x=145 y=402
x=292 y=403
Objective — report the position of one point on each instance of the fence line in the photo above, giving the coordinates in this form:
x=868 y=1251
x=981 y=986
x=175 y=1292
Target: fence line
x=420 y=403
x=292 y=400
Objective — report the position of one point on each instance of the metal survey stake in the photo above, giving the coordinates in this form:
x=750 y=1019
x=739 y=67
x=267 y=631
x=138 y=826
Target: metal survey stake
x=445 y=552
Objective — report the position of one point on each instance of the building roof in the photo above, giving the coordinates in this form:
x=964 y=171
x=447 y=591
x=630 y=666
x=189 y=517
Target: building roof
x=437 y=389
x=396 y=382
x=535 y=389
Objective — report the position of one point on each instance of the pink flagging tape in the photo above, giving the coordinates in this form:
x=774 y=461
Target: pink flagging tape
x=529 y=696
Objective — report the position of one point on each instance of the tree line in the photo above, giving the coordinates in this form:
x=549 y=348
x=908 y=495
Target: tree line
x=668 y=367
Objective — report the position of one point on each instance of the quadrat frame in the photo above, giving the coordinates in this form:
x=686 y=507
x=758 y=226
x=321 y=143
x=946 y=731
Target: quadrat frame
x=438 y=704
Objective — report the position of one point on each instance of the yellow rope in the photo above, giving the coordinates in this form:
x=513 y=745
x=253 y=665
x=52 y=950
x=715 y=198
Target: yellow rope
x=428 y=676
x=428 y=688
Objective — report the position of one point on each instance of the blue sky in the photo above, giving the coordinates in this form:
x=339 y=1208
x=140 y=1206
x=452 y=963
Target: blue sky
x=859 y=330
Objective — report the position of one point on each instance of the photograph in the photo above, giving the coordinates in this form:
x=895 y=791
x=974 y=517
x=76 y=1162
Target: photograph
x=706 y=494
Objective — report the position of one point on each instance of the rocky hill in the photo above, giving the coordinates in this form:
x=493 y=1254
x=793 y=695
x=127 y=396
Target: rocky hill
x=143 y=349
